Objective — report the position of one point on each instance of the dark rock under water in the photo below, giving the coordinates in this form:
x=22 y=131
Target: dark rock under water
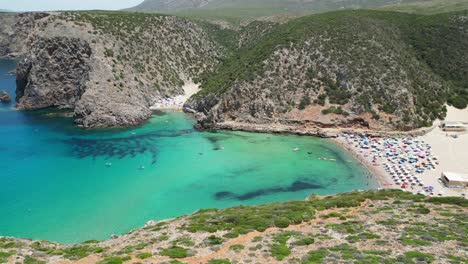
x=294 y=187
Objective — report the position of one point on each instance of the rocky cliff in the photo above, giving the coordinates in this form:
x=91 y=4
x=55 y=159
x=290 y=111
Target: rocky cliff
x=55 y=73
x=17 y=32
x=360 y=69
x=110 y=67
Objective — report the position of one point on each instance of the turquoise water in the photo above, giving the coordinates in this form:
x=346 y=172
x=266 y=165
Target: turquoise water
x=57 y=183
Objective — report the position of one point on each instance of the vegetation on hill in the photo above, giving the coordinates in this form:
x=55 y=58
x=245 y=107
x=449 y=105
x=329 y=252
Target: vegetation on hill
x=404 y=65
x=237 y=11
x=428 y=7
x=159 y=48
x=387 y=226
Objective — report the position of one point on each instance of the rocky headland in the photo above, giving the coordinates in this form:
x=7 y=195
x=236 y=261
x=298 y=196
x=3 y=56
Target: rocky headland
x=107 y=68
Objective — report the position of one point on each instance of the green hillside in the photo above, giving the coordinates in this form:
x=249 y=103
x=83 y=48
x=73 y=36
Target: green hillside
x=241 y=10
x=402 y=64
x=428 y=6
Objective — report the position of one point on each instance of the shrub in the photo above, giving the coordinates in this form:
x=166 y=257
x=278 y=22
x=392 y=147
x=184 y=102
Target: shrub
x=108 y=52
x=5 y=255
x=219 y=261
x=422 y=210
x=114 y=260
x=280 y=251
x=144 y=255
x=419 y=256
x=315 y=257
x=174 y=252
x=236 y=247
x=30 y=260
x=305 y=241
x=305 y=101
x=80 y=251
x=282 y=222
x=213 y=240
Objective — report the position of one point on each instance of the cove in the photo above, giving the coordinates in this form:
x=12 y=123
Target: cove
x=68 y=185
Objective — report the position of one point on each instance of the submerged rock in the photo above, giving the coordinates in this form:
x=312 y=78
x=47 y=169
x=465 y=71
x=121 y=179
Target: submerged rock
x=4 y=97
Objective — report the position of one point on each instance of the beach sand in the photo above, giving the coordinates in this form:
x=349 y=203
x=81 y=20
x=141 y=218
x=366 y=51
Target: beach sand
x=451 y=153
x=177 y=102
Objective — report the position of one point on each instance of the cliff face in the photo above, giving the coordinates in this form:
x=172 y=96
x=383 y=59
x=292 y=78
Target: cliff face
x=109 y=68
x=17 y=30
x=54 y=74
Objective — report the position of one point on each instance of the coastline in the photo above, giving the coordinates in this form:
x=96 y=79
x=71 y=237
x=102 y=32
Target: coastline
x=445 y=147
x=303 y=130
x=380 y=176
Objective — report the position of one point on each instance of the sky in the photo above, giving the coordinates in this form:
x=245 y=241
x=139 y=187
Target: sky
x=50 y=5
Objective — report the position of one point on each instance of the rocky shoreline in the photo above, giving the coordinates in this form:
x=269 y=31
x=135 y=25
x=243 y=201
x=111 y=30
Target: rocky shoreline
x=305 y=131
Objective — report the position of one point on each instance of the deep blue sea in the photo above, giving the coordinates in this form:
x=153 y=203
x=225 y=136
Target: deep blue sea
x=65 y=184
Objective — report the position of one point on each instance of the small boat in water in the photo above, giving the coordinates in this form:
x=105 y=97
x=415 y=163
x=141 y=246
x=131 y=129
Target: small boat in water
x=296 y=149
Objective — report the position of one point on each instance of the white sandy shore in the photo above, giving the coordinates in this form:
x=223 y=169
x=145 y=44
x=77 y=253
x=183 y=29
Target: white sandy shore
x=451 y=153
x=177 y=102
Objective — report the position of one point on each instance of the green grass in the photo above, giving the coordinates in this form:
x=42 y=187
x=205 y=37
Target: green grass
x=144 y=255
x=219 y=261
x=80 y=251
x=305 y=241
x=30 y=260
x=114 y=260
x=174 y=252
x=213 y=240
x=5 y=255
x=247 y=218
x=183 y=241
x=315 y=257
x=236 y=247
x=279 y=251
x=415 y=255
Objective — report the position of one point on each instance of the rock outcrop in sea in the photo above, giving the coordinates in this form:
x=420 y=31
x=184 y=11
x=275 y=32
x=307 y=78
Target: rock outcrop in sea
x=4 y=97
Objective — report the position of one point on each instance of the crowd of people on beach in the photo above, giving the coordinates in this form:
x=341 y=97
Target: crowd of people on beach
x=404 y=160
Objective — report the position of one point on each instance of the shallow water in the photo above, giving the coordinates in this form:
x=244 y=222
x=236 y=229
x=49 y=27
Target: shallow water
x=65 y=184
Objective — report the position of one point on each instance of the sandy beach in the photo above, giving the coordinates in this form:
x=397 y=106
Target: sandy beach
x=414 y=164
x=177 y=102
